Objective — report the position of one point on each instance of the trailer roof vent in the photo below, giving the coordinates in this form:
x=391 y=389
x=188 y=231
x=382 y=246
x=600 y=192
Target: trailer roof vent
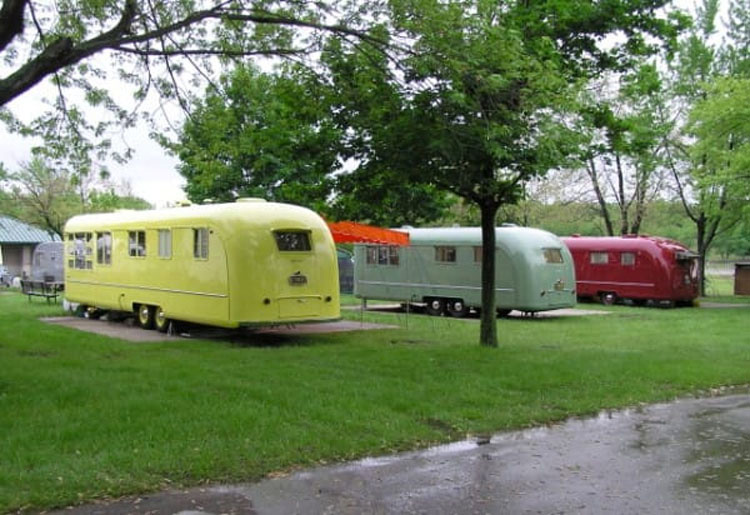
x=250 y=199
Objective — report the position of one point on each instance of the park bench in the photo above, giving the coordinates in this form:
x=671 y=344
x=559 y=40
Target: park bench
x=48 y=290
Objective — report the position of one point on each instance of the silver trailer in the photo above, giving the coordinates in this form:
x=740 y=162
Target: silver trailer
x=47 y=262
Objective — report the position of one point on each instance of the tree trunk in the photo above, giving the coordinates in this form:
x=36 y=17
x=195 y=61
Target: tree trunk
x=488 y=324
x=700 y=237
x=621 y=202
x=593 y=174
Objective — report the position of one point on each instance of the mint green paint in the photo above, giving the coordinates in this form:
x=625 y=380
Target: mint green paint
x=525 y=281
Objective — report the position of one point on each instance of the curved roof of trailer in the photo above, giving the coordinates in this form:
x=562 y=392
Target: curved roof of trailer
x=623 y=243
x=515 y=237
x=256 y=213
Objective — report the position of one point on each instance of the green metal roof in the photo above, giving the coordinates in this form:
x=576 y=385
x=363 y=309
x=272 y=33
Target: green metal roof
x=14 y=231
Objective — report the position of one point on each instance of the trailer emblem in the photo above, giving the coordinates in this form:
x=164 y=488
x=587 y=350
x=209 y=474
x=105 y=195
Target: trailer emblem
x=559 y=285
x=297 y=279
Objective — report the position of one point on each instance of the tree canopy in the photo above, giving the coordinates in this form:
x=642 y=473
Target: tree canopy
x=160 y=49
x=482 y=103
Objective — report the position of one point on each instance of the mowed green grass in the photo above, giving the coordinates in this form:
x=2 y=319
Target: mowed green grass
x=84 y=417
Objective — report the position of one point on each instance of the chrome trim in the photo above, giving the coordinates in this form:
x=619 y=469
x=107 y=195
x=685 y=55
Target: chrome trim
x=617 y=283
x=417 y=285
x=149 y=288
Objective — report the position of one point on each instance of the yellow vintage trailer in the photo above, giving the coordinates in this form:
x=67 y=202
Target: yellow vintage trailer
x=243 y=264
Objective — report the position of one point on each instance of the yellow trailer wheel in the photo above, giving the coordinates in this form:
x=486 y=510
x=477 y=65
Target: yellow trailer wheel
x=161 y=322
x=146 y=316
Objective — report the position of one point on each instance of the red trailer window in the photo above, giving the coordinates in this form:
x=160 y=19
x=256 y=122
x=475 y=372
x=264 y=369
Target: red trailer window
x=627 y=259
x=599 y=258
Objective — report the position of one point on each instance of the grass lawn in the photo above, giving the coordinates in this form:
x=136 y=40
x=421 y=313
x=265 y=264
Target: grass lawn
x=84 y=416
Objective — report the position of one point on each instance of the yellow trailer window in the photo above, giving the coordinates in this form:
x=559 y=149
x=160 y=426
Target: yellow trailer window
x=137 y=243
x=200 y=243
x=292 y=241
x=103 y=248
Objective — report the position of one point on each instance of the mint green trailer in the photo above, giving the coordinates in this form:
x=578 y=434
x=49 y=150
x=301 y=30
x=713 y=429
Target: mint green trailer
x=441 y=268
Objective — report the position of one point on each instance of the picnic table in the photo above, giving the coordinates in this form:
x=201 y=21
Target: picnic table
x=49 y=290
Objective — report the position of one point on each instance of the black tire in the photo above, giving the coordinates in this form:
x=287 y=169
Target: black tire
x=145 y=316
x=435 y=307
x=608 y=298
x=161 y=322
x=502 y=313
x=457 y=308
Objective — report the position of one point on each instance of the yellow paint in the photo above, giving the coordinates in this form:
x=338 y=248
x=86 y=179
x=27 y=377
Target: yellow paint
x=244 y=280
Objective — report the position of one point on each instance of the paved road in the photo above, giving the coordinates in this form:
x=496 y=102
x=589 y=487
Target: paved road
x=690 y=456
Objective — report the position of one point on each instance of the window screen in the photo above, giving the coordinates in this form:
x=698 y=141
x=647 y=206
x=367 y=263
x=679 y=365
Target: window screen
x=553 y=256
x=292 y=241
x=137 y=243
x=599 y=258
x=445 y=254
x=165 y=243
x=200 y=243
x=104 y=248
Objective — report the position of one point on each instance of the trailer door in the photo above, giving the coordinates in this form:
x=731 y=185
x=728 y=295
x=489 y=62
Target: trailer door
x=298 y=283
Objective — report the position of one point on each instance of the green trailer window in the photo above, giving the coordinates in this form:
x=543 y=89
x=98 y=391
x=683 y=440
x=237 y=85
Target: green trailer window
x=599 y=258
x=393 y=256
x=200 y=243
x=445 y=254
x=553 y=256
x=292 y=241
x=103 y=248
x=137 y=243
x=382 y=255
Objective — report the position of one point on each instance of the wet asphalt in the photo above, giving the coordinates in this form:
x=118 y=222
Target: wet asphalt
x=684 y=457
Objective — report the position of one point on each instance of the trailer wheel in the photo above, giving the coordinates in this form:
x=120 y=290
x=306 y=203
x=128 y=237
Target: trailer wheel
x=145 y=316
x=435 y=307
x=457 y=308
x=608 y=298
x=161 y=322
x=502 y=313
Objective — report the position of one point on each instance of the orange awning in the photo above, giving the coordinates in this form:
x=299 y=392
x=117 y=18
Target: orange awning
x=352 y=232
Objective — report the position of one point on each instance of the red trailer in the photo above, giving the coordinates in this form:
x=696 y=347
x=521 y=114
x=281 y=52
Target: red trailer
x=637 y=268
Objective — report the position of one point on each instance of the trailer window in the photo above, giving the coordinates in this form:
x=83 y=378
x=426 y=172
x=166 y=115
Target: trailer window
x=627 y=258
x=292 y=241
x=200 y=243
x=445 y=254
x=137 y=243
x=477 y=254
x=553 y=256
x=103 y=248
x=80 y=251
x=599 y=258
x=382 y=255
x=165 y=243
x=393 y=255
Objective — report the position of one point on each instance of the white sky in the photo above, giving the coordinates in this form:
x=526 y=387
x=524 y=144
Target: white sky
x=151 y=173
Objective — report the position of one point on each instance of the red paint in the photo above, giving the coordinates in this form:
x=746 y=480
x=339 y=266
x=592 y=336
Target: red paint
x=640 y=268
